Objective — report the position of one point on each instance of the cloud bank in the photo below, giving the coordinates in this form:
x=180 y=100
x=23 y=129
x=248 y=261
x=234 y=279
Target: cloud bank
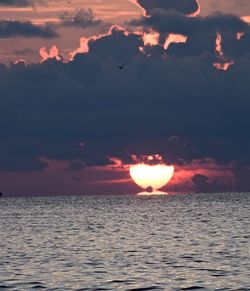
x=171 y=101
x=20 y=3
x=14 y=28
x=187 y=7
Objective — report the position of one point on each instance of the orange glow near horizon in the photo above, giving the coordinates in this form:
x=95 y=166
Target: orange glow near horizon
x=218 y=45
x=151 y=38
x=144 y=12
x=175 y=38
x=155 y=176
x=223 y=66
x=52 y=54
x=83 y=48
x=197 y=12
x=223 y=63
x=246 y=18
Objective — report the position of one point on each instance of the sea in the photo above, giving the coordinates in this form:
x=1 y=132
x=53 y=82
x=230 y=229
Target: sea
x=171 y=242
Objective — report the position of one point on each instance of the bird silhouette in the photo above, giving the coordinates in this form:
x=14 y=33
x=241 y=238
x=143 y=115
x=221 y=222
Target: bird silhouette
x=121 y=67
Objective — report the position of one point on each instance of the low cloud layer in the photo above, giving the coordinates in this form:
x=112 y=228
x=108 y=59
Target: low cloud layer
x=21 y=3
x=18 y=3
x=187 y=7
x=9 y=28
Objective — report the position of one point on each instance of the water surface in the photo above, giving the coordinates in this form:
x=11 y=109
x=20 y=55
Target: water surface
x=175 y=242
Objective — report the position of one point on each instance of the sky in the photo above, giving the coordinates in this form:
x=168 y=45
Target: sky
x=72 y=122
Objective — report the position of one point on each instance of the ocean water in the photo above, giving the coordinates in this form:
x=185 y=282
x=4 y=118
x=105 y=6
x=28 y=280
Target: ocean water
x=175 y=242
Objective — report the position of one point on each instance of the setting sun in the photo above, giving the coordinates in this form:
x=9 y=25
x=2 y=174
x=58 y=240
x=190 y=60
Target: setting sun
x=151 y=176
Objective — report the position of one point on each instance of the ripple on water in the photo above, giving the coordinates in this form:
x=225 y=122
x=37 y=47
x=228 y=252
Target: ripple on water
x=175 y=242
x=145 y=288
x=193 y=288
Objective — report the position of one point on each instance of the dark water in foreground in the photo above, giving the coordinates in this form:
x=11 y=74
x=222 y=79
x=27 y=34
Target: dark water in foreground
x=177 y=242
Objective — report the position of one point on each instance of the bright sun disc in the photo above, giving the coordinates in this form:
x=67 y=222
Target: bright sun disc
x=154 y=176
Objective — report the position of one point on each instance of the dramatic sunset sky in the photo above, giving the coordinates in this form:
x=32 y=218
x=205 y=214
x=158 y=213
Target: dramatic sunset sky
x=72 y=123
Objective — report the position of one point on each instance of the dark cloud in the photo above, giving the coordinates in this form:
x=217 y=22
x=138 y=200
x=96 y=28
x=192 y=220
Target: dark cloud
x=18 y=3
x=84 y=18
x=241 y=171
x=21 y=3
x=202 y=183
x=117 y=46
x=89 y=159
x=236 y=48
x=181 y=6
x=9 y=28
x=201 y=32
x=179 y=107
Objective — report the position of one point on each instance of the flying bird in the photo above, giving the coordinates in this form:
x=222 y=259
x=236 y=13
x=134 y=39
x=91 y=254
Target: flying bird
x=121 y=67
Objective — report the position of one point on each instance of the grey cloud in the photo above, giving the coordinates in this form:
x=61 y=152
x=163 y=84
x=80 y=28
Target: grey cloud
x=18 y=3
x=48 y=109
x=116 y=46
x=203 y=184
x=181 y=6
x=83 y=18
x=201 y=32
x=9 y=28
x=21 y=3
x=169 y=22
